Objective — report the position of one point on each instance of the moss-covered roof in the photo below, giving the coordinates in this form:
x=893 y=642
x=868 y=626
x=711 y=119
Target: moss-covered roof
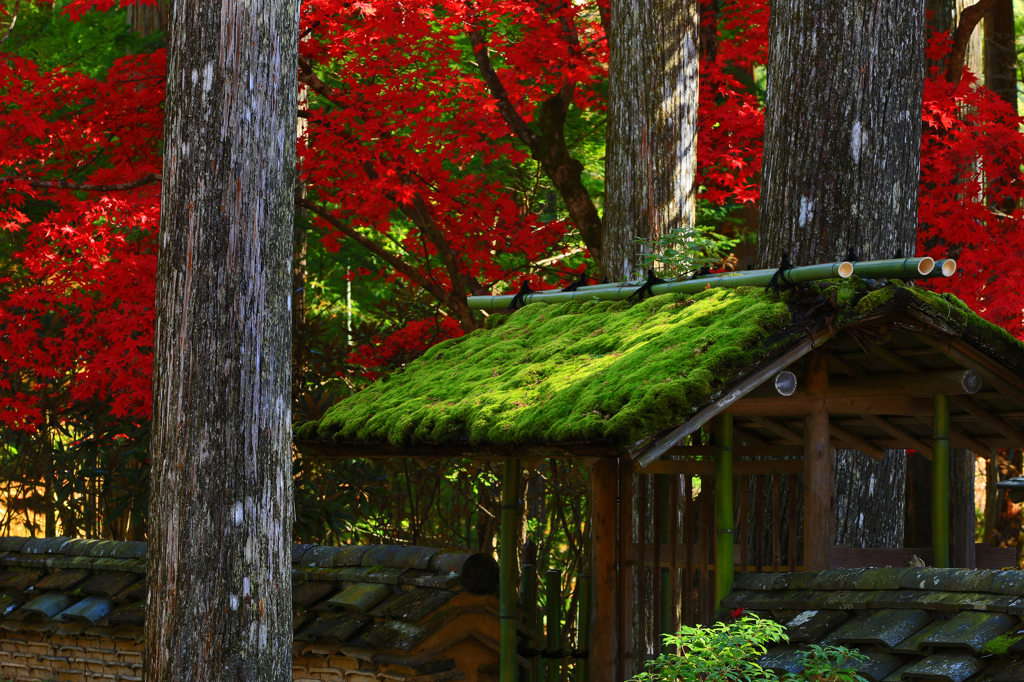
x=613 y=372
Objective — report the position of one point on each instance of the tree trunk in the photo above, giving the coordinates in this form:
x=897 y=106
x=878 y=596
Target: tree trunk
x=219 y=562
x=652 y=127
x=975 y=59
x=1001 y=52
x=146 y=19
x=841 y=171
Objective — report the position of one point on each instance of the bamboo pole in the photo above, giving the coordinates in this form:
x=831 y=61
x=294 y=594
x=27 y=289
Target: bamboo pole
x=553 y=599
x=723 y=509
x=529 y=603
x=940 y=484
x=509 y=570
x=583 y=630
x=907 y=268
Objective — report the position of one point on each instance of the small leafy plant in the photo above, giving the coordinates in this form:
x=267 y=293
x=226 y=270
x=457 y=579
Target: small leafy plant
x=729 y=652
x=681 y=252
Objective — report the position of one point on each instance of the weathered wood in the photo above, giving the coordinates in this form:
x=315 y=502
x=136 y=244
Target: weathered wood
x=921 y=385
x=708 y=452
x=221 y=504
x=995 y=558
x=654 y=554
x=801 y=404
x=857 y=442
x=893 y=359
x=604 y=626
x=903 y=437
x=995 y=374
x=779 y=430
x=624 y=593
x=819 y=472
x=748 y=439
x=962 y=519
x=730 y=396
x=989 y=419
x=781 y=466
x=1001 y=52
x=841 y=556
x=651 y=166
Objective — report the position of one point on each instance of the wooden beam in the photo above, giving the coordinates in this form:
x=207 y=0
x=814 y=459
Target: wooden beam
x=856 y=442
x=802 y=404
x=624 y=594
x=779 y=430
x=844 y=366
x=691 y=468
x=907 y=439
x=747 y=438
x=992 y=372
x=893 y=359
x=708 y=451
x=733 y=393
x=819 y=471
x=989 y=419
x=604 y=631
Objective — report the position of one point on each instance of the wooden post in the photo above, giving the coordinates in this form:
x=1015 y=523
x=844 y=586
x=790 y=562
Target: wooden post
x=724 y=525
x=819 y=471
x=553 y=610
x=940 y=484
x=604 y=620
x=508 y=612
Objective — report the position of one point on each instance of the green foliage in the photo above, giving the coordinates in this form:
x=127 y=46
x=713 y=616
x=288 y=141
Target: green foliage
x=729 y=652
x=681 y=252
x=48 y=37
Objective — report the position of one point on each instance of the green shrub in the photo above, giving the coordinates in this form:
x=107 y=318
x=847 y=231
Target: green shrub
x=729 y=652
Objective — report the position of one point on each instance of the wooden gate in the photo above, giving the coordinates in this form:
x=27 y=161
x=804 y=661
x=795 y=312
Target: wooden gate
x=668 y=561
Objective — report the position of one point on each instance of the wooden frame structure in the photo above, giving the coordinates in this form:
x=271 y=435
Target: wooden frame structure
x=900 y=378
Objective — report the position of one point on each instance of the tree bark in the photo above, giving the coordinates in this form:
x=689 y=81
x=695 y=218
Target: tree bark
x=1001 y=52
x=146 y=19
x=652 y=127
x=219 y=561
x=841 y=171
x=842 y=152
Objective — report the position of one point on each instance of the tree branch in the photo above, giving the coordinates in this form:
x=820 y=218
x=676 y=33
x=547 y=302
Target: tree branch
x=14 y=20
x=969 y=18
x=497 y=89
x=373 y=247
x=62 y=184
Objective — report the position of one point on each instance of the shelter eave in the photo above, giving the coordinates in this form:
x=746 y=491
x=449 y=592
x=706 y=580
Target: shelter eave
x=324 y=449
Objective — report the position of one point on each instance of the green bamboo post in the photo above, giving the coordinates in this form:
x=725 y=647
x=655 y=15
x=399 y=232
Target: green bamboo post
x=529 y=603
x=509 y=571
x=665 y=511
x=583 y=629
x=553 y=598
x=940 y=484
x=723 y=508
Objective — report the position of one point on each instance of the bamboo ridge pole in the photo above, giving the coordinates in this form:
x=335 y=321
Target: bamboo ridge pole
x=907 y=268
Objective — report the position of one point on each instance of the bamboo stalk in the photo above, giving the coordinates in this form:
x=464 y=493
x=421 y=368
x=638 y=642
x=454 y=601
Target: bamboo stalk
x=583 y=629
x=509 y=570
x=940 y=484
x=896 y=268
x=529 y=602
x=553 y=598
x=724 y=525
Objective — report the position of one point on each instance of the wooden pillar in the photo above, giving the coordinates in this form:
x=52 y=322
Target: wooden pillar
x=940 y=484
x=603 y=662
x=819 y=471
x=724 y=525
x=507 y=588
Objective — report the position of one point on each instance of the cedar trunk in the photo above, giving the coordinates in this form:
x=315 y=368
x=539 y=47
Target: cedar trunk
x=1001 y=52
x=841 y=171
x=652 y=127
x=219 y=561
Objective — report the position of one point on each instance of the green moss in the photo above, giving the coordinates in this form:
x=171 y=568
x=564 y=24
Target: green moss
x=569 y=372
x=1000 y=644
x=604 y=371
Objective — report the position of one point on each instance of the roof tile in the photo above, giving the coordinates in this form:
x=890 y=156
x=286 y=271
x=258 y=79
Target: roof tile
x=839 y=579
x=879 y=666
x=783 y=659
x=760 y=582
x=810 y=626
x=361 y=597
x=912 y=644
x=926 y=578
x=92 y=609
x=968 y=630
x=1008 y=582
x=943 y=667
x=887 y=628
x=413 y=605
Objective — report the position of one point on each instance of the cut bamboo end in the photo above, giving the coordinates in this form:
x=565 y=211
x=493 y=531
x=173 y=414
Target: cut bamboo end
x=948 y=267
x=845 y=269
x=925 y=266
